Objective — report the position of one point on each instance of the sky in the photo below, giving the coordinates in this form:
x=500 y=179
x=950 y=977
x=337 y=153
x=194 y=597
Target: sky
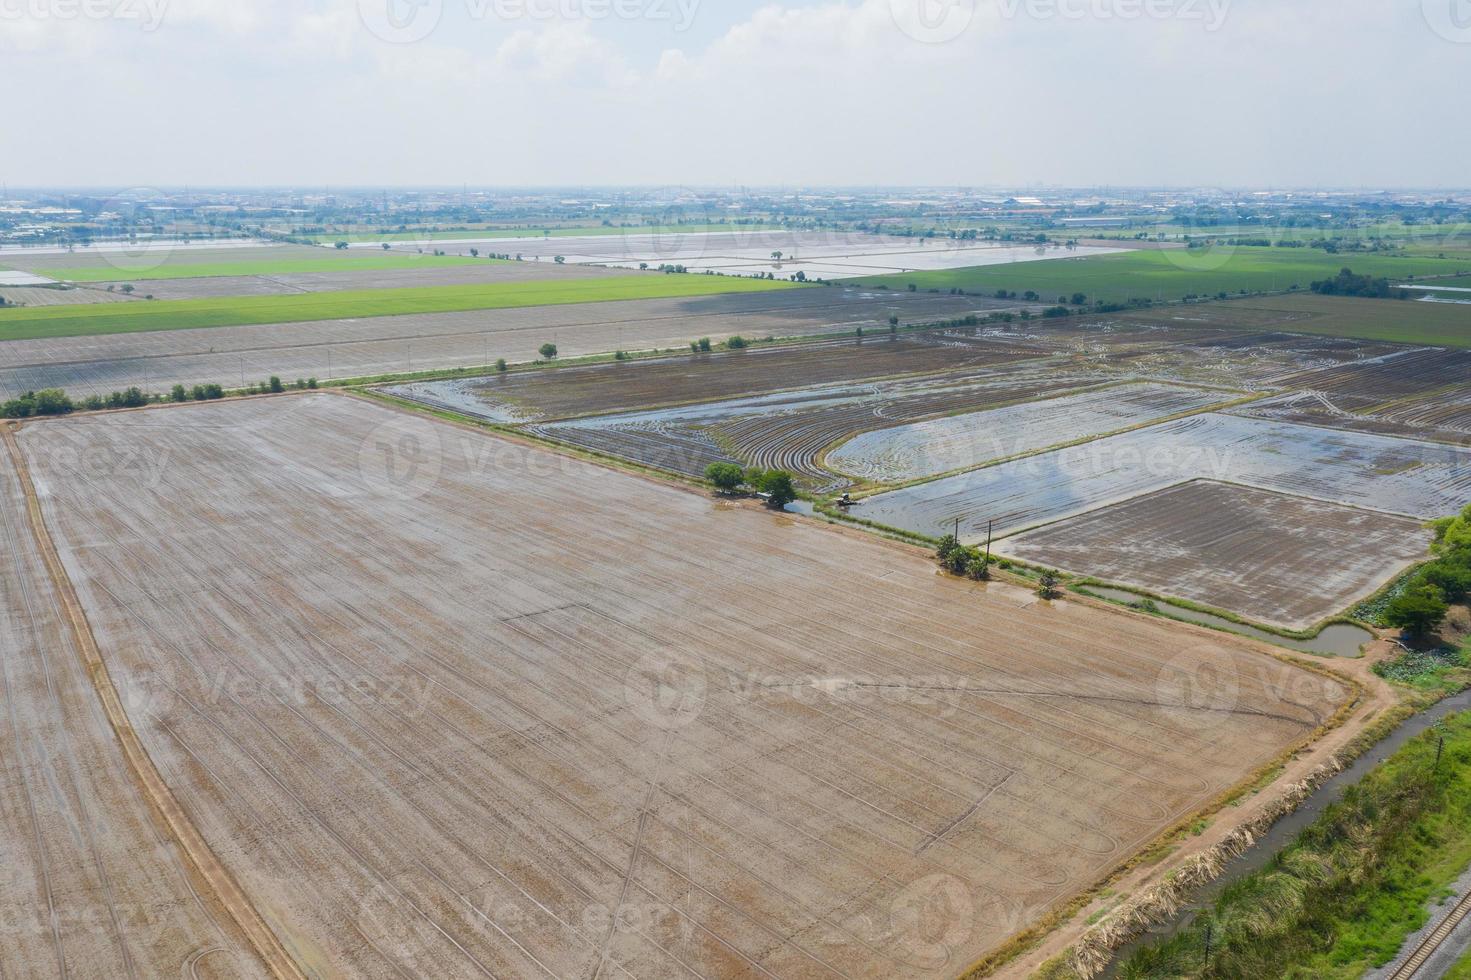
x=701 y=93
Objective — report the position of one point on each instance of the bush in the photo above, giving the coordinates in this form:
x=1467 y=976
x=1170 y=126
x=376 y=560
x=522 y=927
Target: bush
x=727 y=477
x=736 y=343
x=1047 y=585
x=178 y=394
x=275 y=385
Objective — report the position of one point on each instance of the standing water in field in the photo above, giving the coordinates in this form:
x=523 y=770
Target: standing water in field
x=935 y=446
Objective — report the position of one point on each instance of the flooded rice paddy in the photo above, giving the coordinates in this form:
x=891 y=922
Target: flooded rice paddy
x=1396 y=476
x=936 y=446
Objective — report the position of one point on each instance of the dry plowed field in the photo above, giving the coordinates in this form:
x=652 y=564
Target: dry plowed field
x=89 y=887
x=1275 y=559
x=449 y=707
x=396 y=344
x=602 y=388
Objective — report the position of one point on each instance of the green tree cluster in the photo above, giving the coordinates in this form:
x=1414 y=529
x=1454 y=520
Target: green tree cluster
x=48 y=401
x=777 y=485
x=959 y=559
x=1422 y=605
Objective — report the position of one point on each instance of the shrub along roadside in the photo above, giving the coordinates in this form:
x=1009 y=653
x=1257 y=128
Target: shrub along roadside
x=1346 y=893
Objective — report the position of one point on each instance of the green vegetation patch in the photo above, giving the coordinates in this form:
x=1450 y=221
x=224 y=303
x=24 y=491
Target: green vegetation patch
x=29 y=323
x=1393 y=321
x=1169 y=274
x=1426 y=669
x=1343 y=897
x=368 y=262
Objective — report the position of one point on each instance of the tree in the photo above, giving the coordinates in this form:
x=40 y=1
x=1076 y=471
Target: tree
x=500 y=365
x=548 y=351
x=776 y=484
x=560 y=260
x=474 y=253
x=385 y=246
x=1451 y=575
x=893 y=323
x=727 y=477
x=1047 y=585
x=736 y=343
x=179 y=394
x=949 y=544
x=339 y=245
x=128 y=287
x=276 y=386
x=1418 y=610
x=1079 y=299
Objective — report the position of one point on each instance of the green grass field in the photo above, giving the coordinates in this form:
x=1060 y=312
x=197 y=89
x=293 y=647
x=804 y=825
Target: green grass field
x=329 y=262
x=594 y=231
x=1395 y=321
x=29 y=323
x=1168 y=275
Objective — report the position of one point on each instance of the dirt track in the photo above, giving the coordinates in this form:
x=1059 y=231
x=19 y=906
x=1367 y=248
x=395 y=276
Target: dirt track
x=449 y=705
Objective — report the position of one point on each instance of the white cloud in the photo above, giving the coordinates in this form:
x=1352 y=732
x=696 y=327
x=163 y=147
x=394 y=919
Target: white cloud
x=565 y=52
x=831 y=91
